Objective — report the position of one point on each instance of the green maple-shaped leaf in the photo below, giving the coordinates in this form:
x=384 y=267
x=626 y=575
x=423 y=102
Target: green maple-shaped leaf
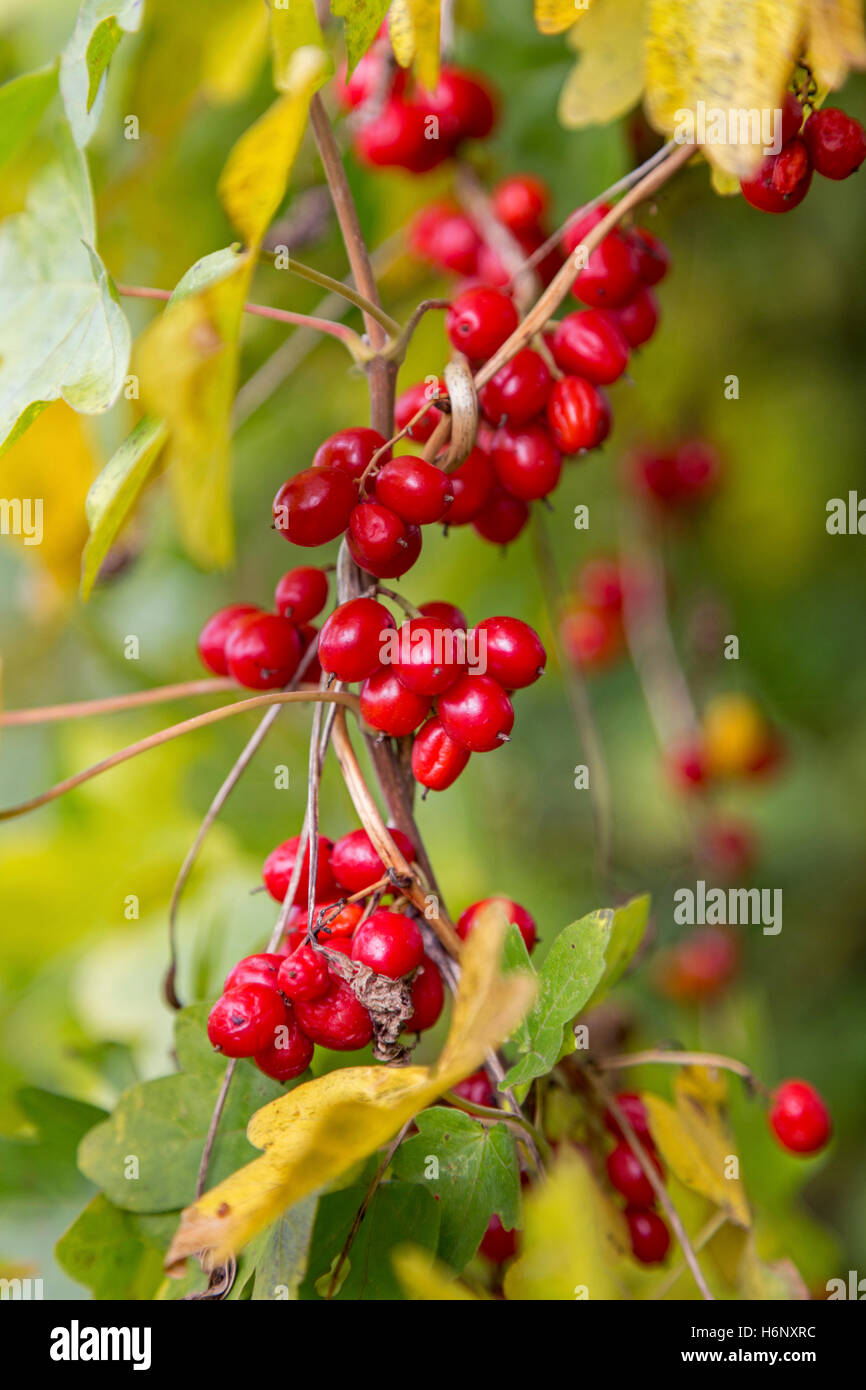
x=397 y=1209
x=63 y=333
x=116 y=1254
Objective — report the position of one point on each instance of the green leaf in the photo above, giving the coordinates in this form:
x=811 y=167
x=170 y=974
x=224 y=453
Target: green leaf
x=62 y=330
x=23 y=103
x=115 y=1254
x=146 y=1156
x=84 y=61
x=361 y=21
x=114 y=493
x=279 y=1257
x=478 y=1174
x=294 y=26
x=397 y=1209
x=626 y=934
x=207 y=271
x=43 y=1166
x=515 y=958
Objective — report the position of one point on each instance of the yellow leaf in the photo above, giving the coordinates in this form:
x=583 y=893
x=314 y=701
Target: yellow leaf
x=44 y=479
x=294 y=27
x=321 y=1128
x=572 y=1236
x=253 y=182
x=608 y=78
x=232 y=49
x=835 y=39
x=721 y=56
x=414 y=27
x=426 y=1280
x=695 y=1144
x=554 y=16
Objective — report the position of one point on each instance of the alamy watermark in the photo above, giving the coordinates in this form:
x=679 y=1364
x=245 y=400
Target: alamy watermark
x=22 y=516
x=714 y=125
x=446 y=646
x=720 y=907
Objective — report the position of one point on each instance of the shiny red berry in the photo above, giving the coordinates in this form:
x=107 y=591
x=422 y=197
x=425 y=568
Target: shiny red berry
x=341 y=925
x=799 y=1118
x=214 y=635
x=355 y=862
x=380 y=542
x=521 y=202
x=611 y=274
x=369 y=77
x=416 y=490
x=639 y=318
x=429 y=655
x=477 y=713
x=428 y=997
x=653 y=256
x=601 y=585
x=523 y=920
x=260 y=969
x=464 y=105
x=476 y=1089
x=437 y=761
x=301 y=593
x=650 y=1237
x=352 y=641
x=441 y=234
x=526 y=461
x=512 y=650
x=314 y=506
x=387 y=704
x=591 y=638
x=277 y=871
x=635 y=1112
x=471 y=483
x=290 y=1055
x=263 y=651
x=497 y=1243
x=781 y=181
x=519 y=390
x=479 y=320
x=702 y=966
x=349 y=450
x=397 y=138
x=836 y=142
x=304 y=974
x=245 y=1020
x=389 y=943
x=502 y=518
x=578 y=415
x=309 y=636
x=411 y=401
x=337 y=1020
x=447 y=613
x=627 y=1176
x=591 y=344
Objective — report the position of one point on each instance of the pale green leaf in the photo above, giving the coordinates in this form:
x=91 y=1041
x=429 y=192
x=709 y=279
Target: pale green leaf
x=114 y=493
x=84 y=61
x=23 y=102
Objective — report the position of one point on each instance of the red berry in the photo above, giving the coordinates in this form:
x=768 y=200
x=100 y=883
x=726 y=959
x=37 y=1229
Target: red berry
x=697 y=467
x=611 y=274
x=380 y=542
x=701 y=967
x=430 y=655
x=301 y=593
x=245 y=1020
x=728 y=848
x=591 y=344
x=471 y=483
x=314 y=506
x=781 y=181
x=254 y=970
x=521 y=202
x=477 y=713
x=601 y=585
x=337 y=1020
x=368 y=78
x=523 y=920
x=416 y=490
x=441 y=234
x=389 y=943
x=447 y=613
x=502 y=517
x=263 y=651
x=214 y=635
x=355 y=862
x=526 y=460
x=464 y=105
x=799 y=1118
x=519 y=390
x=397 y=137
x=389 y=706
x=639 y=318
x=437 y=761
x=304 y=975
x=309 y=636
x=836 y=142
x=428 y=997
x=349 y=450
x=635 y=1112
x=578 y=415
x=653 y=257
x=476 y=1089
x=277 y=871
x=792 y=117
x=353 y=639
x=290 y=1055
x=650 y=1237
x=411 y=402
x=591 y=638
x=687 y=765
x=497 y=1243
x=479 y=320
x=513 y=651
x=627 y=1176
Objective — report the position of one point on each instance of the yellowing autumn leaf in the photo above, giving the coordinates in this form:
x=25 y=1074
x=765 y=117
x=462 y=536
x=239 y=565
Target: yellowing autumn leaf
x=694 y=1142
x=572 y=1236
x=427 y=1281
x=555 y=16
x=608 y=78
x=316 y=1132
x=414 y=27
x=295 y=27
x=835 y=39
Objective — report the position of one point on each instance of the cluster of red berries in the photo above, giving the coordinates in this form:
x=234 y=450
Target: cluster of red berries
x=404 y=126
x=831 y=143
x=650 y=1237
x=591 y=625
x=434 y=657
x=446 y=237
x=264 y=650
x=676 y=479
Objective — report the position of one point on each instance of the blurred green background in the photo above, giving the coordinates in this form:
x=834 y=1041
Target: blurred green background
x=776 y=301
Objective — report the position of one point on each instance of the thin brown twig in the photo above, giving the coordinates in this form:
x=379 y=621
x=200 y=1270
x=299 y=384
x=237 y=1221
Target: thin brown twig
x=210 y=1140
x=111 y=704
x=341 y=331
x=656 y=1056
x=364 y=1207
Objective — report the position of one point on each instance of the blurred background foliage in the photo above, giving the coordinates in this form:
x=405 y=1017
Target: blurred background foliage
x=775 y=301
